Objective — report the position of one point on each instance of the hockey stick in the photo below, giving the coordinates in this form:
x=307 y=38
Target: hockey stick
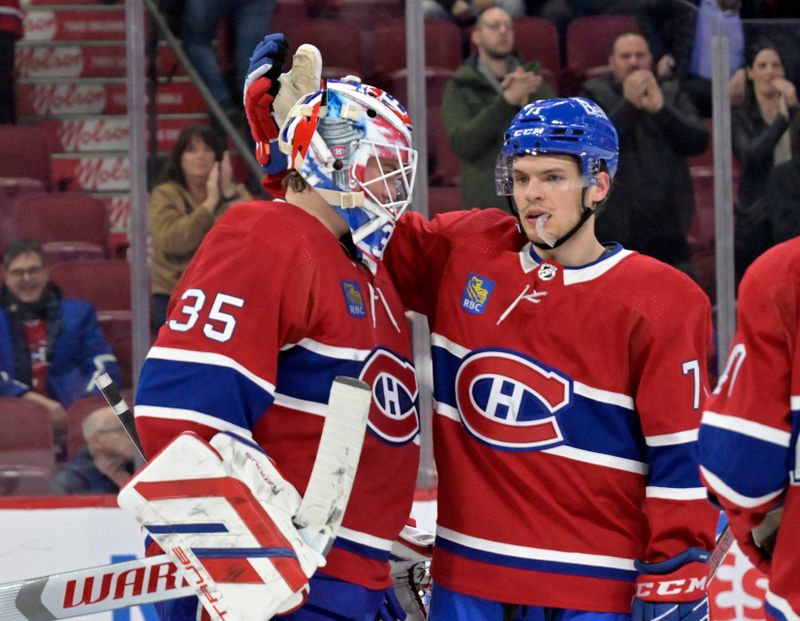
x=724 y=543
x=144 y=581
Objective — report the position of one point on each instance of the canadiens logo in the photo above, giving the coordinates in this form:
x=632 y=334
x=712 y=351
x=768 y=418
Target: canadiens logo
x=339 y=151
x=393 y=416
x=353 y=300
x=547 y=271
x=511 y=401
x=476 y=294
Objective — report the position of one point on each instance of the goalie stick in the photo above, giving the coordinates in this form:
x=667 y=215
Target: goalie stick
x=143 y=581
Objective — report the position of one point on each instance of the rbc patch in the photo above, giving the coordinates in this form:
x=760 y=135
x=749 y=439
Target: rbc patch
x=353 y=299
x=476 y=294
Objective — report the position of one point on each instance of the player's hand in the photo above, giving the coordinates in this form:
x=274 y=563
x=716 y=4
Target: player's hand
x=672 y=590
x=665 y=66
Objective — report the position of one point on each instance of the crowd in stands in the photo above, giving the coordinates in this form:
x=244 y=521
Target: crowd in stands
x=648 y=67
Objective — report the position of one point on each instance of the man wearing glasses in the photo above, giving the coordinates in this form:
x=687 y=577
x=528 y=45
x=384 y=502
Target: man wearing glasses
x=51 y=348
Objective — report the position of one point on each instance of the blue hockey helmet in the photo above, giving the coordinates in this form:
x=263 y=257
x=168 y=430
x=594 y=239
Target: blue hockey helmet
x=572 y=126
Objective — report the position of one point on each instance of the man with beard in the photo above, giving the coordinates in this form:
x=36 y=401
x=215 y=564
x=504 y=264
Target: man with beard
x=651 y=207
x=480 y=100
x=51 y=348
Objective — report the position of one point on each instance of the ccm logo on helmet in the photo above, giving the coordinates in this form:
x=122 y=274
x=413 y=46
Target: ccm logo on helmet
x=510 y=401
x=393 y=414
x=529 y=131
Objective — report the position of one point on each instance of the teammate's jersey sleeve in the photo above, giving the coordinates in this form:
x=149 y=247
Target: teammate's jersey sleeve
x=670 y=342
x=414 y=257
x=750 y=424
x=246 y=293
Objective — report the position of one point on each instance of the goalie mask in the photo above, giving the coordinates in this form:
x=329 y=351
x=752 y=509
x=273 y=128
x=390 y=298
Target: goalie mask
x=352 y=142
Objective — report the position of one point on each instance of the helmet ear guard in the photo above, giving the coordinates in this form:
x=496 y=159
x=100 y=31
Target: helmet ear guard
x=352 y=142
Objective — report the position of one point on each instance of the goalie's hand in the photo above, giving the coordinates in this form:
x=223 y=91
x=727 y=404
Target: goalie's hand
x=672 y=590
x=261 y=87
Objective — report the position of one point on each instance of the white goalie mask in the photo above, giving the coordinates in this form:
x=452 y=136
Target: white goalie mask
x=352 y=142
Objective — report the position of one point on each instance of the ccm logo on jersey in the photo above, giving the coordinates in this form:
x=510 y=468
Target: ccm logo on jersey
x=476 y=294
x=393 y=414
x=510 y=401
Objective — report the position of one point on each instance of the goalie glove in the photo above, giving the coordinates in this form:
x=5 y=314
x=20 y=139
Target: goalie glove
x=672 y=590
x=223 y=513
x=269 y=94
x=410 y=570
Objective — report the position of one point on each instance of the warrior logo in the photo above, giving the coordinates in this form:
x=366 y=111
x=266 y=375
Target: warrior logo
x=511 y=401
x=476 y=294
x=393 y=415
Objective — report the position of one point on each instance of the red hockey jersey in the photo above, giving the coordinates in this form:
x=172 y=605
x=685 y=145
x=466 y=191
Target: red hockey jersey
x=748 y=436
x=566 y=413
x=269 y=311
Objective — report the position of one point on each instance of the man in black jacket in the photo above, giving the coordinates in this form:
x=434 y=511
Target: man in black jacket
x=651 y=205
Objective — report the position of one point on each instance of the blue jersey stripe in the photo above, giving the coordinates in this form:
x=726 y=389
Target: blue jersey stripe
x=752 y=467
x=674 y=465
x=552 y=567
x=277 y=552
x=297 y=364
x=220 y=392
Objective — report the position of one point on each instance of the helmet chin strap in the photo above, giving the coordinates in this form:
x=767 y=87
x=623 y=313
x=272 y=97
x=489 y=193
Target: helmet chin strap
x=585 y=215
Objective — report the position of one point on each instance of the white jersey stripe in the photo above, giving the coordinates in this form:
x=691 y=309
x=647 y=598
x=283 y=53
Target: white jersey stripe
x=603 y=396
x=671 y=439
x=203 y=357
x=153 y=411
x=442 y=409
x=676 y=493
x=721 y=488
x=440 y=341
x=794 y=403
x=330 y=351
x=539 y=554
x=309 y=407
x=365 y=539
x=749 y=428
x=599 y=459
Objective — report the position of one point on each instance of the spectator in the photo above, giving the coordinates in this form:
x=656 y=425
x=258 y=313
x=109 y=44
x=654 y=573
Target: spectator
x=10 y=31
x=480 y=100
x=680 y=39
x=51 y=348
x=106 y=462
x=195 y=189
x=465 y=11
x=760 y=141
x=201 y=18
x=783 y=192
x=650 y=208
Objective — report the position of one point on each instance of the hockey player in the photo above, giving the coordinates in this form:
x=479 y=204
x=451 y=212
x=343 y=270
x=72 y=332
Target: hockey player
x=280 y=298
x=568 y=383
x=748 y=436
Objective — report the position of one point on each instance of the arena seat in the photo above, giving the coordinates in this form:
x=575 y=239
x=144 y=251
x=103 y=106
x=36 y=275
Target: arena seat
x=339 y=42
x=442 y=47
x=13 y=189
x=25 y=152
x=27 y=451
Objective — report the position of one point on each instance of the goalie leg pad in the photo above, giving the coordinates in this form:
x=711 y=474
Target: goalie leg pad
x=223 y=513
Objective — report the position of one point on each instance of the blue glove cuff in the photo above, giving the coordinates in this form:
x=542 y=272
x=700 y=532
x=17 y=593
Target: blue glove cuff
x=691 y=555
